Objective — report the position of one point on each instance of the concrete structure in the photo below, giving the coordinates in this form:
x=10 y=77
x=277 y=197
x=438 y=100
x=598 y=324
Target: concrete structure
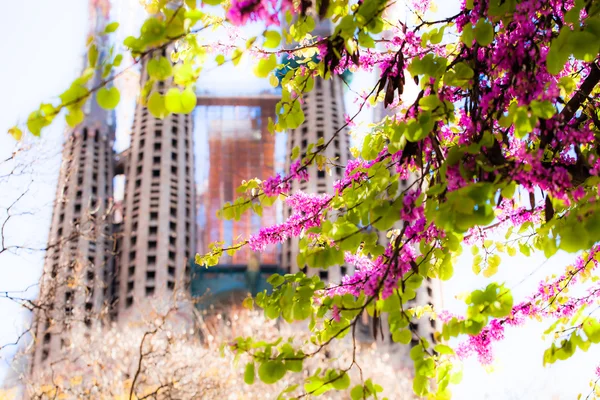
x=81 y=243
x=159 y=233
x=239 y=147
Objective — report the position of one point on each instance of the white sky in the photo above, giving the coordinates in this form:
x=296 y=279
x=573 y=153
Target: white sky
x=42 y=44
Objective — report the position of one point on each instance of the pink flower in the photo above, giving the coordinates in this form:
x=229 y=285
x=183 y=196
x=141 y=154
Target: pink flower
x=297 y=171
x=335 y=313
x=307 y=212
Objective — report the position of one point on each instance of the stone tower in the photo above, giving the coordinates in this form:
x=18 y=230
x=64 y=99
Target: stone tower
x=159 y=232
x=81 y=243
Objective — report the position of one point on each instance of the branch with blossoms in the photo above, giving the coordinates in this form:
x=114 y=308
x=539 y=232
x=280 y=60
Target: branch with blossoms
x=542 y=304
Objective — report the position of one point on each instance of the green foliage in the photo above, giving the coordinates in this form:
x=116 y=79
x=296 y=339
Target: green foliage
x=112 y=27
x=271 y=371
x=16 y=133
x=156 y=105
x=180 y=102
x=495 y=301
x=265 y=66
x=329 y=380
x=272 y=39
x=586 y=334
x=108 y=98
x=483 y=32
x=464 y=208
x=160 y=68
x=249 y=374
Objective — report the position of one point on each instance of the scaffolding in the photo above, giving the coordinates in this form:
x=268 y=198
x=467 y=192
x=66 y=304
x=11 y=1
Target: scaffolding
x=239 y=147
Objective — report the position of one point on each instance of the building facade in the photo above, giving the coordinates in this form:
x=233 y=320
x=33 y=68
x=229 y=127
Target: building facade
x=158 y=228
x=81 y=244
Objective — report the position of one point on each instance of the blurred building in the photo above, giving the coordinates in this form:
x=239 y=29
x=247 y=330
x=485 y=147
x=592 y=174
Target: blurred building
x=81 y=246
x=239 y=147
x=236 y=145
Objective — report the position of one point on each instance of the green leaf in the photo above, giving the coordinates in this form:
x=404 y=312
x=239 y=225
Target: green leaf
x=249 y=374
x=236 y=57
x=108 y=98
x=118 y=59
x=341 y=383
x=184 y=74
x=152 y=31
x=467 y=35
x=567 y=84
x=248 y=303
x=93 y=55
x=493 y=264
x=156 y=105
x=585 y=45
x=559 y=52
x=365 y=40
x=74 y=117
x=39 y=119
x=272 y=39
x=483 y=32
x=16 y=133
x=443 y=349
x=271 y=371
x=265 y=66
x=402 y=335
x=276 y=280
x=212 y=2
x=523 y=123
x=110 y=28
x=591 y=328
x=358 y=392
x=542 y=109
x=180 y=102
x=160 y=68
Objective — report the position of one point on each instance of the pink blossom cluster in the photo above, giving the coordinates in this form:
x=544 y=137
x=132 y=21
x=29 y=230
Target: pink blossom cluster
x=354 y=173
x=508 y=215
x=595 y=163
x=266 y=11
x=541 y=304
x=481 y=344
x=335 y=313
x=421 y=229
x=375 y=276
x=532 y=174
x=512 y=69
x=308 y=212
x=410 y=212
x=298 y=171
x=420 y=6
x=275 y=185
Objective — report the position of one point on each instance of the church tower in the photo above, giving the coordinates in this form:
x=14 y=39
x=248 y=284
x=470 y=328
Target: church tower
x=159 y=232
x=80 y=243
